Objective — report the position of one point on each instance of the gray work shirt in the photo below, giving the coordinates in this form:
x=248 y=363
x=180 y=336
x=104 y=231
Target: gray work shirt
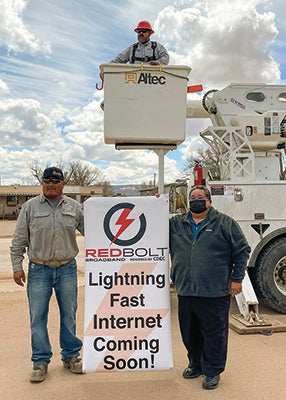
x=142 y=51
x=45 y=231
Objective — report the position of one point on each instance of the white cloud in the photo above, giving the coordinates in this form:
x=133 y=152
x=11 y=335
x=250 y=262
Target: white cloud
x=49 y=109
x=13 y=32
x=139 y=167
x=3 y=87
x=222 y=41
x=21 y=123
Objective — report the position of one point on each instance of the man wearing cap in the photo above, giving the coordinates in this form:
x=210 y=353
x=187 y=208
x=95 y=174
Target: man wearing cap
x=46 y=229
x=144 y=51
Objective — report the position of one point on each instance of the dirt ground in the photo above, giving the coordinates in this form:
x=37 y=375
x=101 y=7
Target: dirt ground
x=255 y=369
x=7 y=228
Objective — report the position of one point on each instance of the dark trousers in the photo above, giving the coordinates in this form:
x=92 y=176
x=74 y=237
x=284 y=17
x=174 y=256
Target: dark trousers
x=204 y=330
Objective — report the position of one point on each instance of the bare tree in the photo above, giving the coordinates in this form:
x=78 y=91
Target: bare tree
x=207 y=158
x=107 y=190
x=37 y=171
x=84 y=174
x=77 y=174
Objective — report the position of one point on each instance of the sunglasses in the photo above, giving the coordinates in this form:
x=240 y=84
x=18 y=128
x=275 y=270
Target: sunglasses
x=52 y=180
x=142 y=31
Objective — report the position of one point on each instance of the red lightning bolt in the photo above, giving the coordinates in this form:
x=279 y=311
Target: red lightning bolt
x=124 y=222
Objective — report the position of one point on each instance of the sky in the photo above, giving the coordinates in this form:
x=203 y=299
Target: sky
x=51 y=50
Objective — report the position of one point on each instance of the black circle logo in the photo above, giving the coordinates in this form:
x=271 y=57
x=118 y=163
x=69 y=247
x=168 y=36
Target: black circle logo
x=123 y=221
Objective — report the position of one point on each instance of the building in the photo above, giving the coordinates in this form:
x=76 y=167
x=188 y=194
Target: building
x=13 y=197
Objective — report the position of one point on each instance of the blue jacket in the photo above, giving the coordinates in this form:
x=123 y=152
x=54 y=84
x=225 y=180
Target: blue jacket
x=205 y=266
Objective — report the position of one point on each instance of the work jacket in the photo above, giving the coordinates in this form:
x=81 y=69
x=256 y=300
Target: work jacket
x=47 y=232
x=205 y=266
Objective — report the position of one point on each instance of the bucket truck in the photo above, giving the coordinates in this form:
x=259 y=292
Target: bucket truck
x=248 y=133
x=145 y=107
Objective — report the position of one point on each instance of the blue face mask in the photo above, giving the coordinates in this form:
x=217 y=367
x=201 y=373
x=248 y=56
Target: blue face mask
x=198 y=206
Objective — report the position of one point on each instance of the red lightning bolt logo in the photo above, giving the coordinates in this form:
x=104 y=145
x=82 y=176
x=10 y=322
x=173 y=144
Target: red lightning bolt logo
x=124 y=222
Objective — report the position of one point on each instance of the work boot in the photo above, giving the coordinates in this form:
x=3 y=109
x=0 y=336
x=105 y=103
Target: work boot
x=39 y=373
x=191 y=373
x=74 y=364
x=211 y=383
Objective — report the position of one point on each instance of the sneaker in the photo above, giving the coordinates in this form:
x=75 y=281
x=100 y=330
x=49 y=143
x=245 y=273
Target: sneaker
x=211 y=383
x=74 y=364
x=39 y=373
x=191 y=373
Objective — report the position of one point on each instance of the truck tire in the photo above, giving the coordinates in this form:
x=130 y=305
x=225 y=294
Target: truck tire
x=268 y=277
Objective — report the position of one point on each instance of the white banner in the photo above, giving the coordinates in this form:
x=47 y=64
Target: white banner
x=127 y=298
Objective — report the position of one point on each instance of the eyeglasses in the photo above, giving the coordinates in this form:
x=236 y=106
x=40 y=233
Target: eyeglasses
x=142 y=31
x=52 y=180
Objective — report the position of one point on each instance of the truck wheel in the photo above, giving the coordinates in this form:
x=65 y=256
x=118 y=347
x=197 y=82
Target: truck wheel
x=269 y=275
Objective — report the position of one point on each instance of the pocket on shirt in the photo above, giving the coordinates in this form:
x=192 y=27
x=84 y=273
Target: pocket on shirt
x=40 y=221
x=69 y=220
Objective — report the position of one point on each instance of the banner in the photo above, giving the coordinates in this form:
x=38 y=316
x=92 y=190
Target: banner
x=127 y=298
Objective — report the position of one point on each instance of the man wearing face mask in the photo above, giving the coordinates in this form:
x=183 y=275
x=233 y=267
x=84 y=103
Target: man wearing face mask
x=209 y=255
x=144 y=51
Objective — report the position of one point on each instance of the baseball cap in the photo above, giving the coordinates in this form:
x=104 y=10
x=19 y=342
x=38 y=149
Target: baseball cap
x=53 y=172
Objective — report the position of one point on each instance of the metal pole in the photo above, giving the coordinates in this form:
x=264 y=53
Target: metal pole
x=161 y=153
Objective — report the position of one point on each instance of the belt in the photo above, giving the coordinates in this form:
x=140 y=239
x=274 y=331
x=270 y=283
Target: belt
x=53 y=264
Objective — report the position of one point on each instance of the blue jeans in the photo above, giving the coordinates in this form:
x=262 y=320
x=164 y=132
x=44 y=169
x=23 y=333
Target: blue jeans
x=41 y=282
